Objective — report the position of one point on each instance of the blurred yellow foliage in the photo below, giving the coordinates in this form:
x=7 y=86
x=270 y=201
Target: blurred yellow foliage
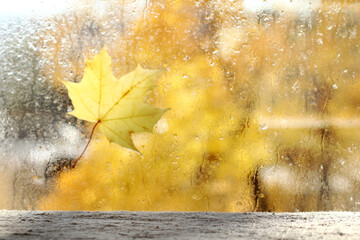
x=259 y=113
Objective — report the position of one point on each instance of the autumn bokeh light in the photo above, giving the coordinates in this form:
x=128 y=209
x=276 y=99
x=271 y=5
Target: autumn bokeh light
x=263 y=110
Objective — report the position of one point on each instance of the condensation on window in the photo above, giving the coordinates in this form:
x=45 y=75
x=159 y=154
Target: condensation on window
x=263 y=101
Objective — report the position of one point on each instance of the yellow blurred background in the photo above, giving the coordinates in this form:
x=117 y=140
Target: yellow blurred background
x=264 y=107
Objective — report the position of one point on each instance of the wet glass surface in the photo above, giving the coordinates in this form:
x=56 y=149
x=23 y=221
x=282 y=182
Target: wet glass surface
x=263 y=96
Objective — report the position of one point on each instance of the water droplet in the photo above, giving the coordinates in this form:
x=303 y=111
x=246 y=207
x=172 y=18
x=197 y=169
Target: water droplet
x=263 y=127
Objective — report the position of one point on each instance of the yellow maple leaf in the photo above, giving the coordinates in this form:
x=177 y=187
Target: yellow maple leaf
x=116 y=105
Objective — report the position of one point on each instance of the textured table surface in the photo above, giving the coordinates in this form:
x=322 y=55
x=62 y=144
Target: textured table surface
x=178 y=225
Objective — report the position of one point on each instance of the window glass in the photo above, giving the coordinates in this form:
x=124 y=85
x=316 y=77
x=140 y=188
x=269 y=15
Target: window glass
x=263 y=101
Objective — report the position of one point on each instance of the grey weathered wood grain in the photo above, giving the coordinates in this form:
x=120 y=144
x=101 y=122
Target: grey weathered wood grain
x=179 y=225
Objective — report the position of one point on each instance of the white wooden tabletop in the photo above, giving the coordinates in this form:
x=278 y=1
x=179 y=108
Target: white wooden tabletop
x=178 y=225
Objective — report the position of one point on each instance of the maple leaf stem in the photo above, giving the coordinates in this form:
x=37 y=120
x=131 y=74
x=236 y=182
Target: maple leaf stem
x=91 y=135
